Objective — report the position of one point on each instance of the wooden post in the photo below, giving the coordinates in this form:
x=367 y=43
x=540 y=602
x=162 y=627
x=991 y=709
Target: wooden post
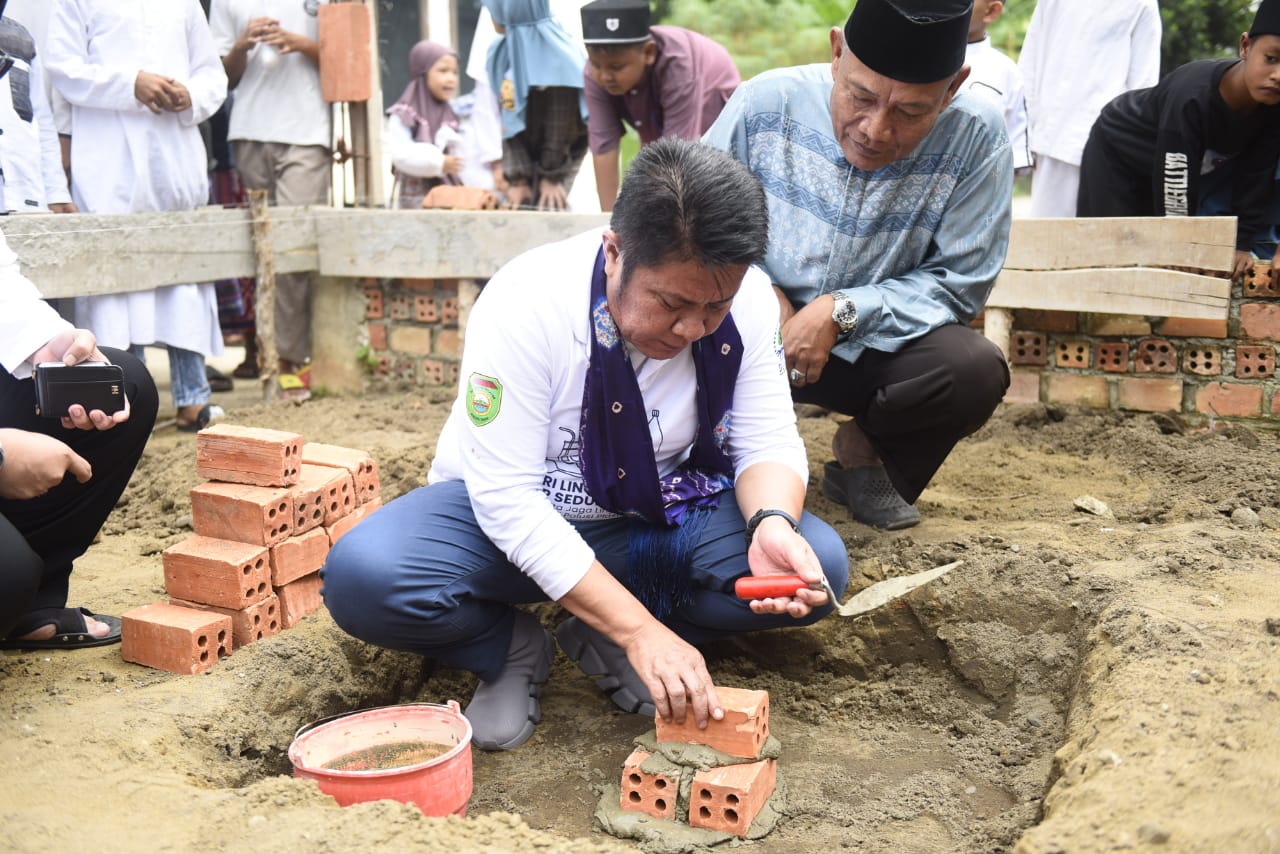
x=264 y=306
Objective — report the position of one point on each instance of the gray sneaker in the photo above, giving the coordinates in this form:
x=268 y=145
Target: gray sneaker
x=606 y=663
x=502 y=713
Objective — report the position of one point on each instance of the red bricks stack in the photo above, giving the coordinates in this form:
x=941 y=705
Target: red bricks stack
x=264 y=523
x=725 y=798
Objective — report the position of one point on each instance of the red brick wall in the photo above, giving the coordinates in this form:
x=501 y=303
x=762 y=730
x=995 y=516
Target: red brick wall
x=1205 y=367
x=412 y=326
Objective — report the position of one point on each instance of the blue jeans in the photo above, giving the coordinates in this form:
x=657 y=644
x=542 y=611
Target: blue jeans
x=187 y=378
x=420 y=576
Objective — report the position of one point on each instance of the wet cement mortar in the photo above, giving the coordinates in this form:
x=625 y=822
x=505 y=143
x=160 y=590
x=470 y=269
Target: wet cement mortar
x=1081 y=683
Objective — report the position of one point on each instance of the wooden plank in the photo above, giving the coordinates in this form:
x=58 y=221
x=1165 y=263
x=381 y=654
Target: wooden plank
x=1139 y=291
x=1205 y=243
x=436 y=243
x=103 y=254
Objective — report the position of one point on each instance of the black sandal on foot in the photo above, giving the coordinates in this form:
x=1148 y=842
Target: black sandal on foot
x=71 y=631
x=869 y=495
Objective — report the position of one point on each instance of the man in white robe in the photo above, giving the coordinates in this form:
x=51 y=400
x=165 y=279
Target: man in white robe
x=140 y=77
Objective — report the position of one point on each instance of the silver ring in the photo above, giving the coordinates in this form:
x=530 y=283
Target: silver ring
x=796 y=376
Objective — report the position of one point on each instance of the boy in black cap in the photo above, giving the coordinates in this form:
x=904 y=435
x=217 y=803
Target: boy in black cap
x=663 y=81
x=889 y=214
x=1147 y=148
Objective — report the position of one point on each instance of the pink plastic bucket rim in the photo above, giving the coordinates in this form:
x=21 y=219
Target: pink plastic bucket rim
x=320 y=728
x=440 y=786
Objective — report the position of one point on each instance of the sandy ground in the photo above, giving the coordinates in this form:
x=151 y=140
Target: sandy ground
x=1082 y=683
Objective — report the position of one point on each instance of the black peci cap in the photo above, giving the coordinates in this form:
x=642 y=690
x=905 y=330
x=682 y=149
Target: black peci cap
x=913 y=41
x=1266 y=21
x=615 y=22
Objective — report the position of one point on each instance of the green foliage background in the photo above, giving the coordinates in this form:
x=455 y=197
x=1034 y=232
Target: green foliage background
x=763 y=34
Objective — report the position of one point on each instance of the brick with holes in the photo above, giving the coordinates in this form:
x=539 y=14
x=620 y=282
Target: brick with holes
x=299 y=555
x=728 y=798
x=299 y=598
x=179 y=640
x=225 y=573
x=252 y=455
x=742 y=732
x=654 y=794
x=322 y=493
x=262 y=515
x=363 y=468
x=355 y=517
x=260 y=620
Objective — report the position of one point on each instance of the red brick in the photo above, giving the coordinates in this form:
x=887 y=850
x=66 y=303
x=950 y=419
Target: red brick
x=373 y=305
x=262 y=515
x=1024 y=387
x=1113 y=356
x=449 y=310
x=1189 y=327
x=344 y=57
x=1079 y=390
x=1149 y=395
x=1045 y=321
x=652 y=794
x=355 y=517
x=1028 y=348
x=1260 y=321
x=260 y=620
x=410 y=339
x=377 y=336
x=361 y=465
x=299 y=556
x=1073 y=354
x=299 y=598
x=384 y=366
x=418 y=284
x=1115 y=325
x=250 y=455
x=405 y=368
x=217 y=572
x=448 y=342
x=1230 y=399
x=1257 y=282
x=1255 y=362
x=447 y=284
x=400 y=306
x=1202 y=361
x=728 y=798
x=179 y=640
x=425 y=309
x=323 y=491
x=742 y=731
x=433 y=372
x=1155 y=356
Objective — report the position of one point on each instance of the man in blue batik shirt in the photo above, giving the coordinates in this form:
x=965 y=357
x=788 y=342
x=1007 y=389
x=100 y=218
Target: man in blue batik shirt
x=889 y=213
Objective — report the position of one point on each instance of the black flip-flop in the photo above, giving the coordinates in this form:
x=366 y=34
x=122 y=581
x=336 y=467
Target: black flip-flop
x=72 y=632
x=218 y=381
x=210 y=413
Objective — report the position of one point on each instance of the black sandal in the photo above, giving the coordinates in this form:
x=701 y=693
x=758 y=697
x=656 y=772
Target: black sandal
x=71 y=630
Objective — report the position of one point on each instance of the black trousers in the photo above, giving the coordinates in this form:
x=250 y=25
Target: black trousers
x=916 y=404
x=1109 y=189
x=41 y=537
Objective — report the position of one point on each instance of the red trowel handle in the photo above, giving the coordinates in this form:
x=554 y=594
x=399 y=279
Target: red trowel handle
x=768 y=586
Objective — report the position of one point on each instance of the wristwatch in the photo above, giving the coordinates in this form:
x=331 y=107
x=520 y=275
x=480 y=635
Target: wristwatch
x=1 y=456
x=845 y=314
x=762 y=514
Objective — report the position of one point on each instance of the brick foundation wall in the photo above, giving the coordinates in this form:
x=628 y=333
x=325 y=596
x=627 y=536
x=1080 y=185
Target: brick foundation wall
x=1207 y=368
x=413 y=331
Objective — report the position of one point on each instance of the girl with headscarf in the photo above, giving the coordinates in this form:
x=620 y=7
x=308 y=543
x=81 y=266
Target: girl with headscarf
x=427 y=138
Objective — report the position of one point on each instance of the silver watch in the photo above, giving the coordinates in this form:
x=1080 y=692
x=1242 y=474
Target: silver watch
x=844 y=314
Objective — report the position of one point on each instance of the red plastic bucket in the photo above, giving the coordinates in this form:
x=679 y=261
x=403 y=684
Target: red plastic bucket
x=439 y=786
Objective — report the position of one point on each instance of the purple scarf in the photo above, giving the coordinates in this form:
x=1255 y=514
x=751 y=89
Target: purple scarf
x=618 y=465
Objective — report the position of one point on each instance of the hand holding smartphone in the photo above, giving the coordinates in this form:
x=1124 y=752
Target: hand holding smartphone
x=93 y=385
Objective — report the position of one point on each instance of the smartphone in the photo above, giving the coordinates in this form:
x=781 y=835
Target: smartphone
x=93 y=385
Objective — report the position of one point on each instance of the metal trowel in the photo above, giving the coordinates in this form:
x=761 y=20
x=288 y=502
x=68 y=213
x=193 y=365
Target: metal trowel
x=880 y=593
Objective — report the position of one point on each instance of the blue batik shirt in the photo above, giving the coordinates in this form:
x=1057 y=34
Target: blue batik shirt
x=917 y=243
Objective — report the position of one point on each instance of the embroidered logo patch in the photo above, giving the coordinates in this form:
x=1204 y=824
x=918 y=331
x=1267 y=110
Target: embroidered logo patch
x=484 y=399
x=777 y=350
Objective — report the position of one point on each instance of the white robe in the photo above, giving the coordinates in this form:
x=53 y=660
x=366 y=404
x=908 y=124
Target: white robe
x=126 y=159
